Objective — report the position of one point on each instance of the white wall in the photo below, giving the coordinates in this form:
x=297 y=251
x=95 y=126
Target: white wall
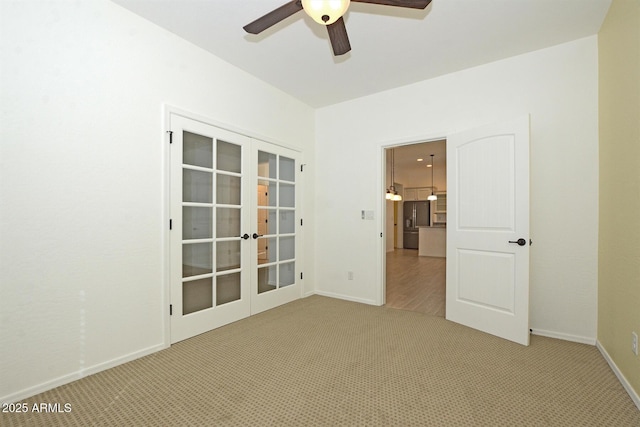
x=82 y=211
x=558 y=87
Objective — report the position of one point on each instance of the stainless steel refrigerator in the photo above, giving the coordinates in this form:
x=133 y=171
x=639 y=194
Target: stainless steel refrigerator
x=416 y=214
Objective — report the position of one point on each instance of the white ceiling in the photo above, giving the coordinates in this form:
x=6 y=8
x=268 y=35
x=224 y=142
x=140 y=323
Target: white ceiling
x=406 y=156
x=391 y=46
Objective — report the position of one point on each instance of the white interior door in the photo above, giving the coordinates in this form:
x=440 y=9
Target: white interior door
x=210 y=212
x=488 y=214
x=235 y=234
x=276 y=219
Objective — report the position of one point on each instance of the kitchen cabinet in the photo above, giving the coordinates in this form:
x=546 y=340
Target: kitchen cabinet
x=417 y=193
x=410 y=194
x=440 y=209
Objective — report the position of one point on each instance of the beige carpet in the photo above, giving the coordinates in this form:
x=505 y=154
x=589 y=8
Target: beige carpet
x=326 y=362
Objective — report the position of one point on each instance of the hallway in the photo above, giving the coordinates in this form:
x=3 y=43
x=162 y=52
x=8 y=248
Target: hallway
x=416 y=283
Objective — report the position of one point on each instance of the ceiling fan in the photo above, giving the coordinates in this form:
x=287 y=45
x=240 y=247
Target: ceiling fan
x=328 y=13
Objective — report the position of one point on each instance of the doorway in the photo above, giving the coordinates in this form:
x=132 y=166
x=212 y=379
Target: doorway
x=416 y=274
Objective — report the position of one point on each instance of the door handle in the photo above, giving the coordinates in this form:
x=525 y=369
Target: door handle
x=245 y=236
x=256 y=235
x=520 y=242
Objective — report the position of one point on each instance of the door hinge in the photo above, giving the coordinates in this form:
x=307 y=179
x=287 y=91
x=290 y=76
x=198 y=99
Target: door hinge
x=170 y=136
x=170 y=224
x=300 y=275
x=380 y=234
x=170 y=309
x=300 y=221
x=301 y=168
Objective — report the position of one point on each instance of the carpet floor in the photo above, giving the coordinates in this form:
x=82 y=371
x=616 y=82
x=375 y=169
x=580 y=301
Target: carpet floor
x=325 y=362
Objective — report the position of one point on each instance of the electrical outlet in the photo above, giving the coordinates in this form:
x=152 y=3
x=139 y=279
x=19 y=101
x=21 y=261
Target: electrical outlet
x=634 y=343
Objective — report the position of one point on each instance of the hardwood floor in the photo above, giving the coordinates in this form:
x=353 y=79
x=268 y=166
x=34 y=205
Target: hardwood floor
x=416 y=283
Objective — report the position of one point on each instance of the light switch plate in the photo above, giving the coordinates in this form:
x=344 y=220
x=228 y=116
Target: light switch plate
x=368 y=215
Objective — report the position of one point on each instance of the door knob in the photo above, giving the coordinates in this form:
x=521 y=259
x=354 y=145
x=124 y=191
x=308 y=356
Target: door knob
x=245 y=236
x=520 y=242
x=256 y=235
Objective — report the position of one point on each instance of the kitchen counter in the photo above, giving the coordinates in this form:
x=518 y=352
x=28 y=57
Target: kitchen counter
x=432 y=241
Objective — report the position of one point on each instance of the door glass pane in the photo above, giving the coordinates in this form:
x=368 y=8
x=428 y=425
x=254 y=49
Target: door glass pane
x=196 y=259
x=227 y=255
x=227 y=288
x=266 y=250
x=267 y=193
x=267 y=278
x=287 y=274
x=267 y=165
x=227 y=189
x=287 y=196
x=263 y=222
x=287 y=220
x=287 y=169
x=227 y=222
x=229 y=157
x=196 y=186
x=197 y=295
x=196 y=222
x=267 y=221
x=197 y=150
x=287 y=248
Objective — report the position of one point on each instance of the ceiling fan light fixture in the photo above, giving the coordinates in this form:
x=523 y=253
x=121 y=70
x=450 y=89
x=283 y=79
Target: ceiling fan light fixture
x=325 y=12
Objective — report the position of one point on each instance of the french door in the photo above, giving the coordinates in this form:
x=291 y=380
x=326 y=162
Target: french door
x=234 y=227
x=277 y=221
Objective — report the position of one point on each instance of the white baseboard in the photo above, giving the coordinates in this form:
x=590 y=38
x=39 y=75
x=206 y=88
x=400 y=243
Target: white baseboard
x=345 y=297
x=563 y=336
x=66 y=379
x=623 y=380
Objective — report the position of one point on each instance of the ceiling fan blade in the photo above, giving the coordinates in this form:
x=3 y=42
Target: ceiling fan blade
x=339 y=38
x=273 y=17
x=414 y=4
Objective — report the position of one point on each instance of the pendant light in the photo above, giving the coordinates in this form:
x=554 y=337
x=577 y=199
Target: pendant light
x=432 y=196
x=392 y=194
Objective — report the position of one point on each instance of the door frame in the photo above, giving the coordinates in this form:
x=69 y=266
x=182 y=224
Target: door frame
x=381 y=297
x=166 y=111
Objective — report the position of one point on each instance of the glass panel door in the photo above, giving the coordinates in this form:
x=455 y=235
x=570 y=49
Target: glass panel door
x=235 y=237
x=210 y=284
x=276 y=221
